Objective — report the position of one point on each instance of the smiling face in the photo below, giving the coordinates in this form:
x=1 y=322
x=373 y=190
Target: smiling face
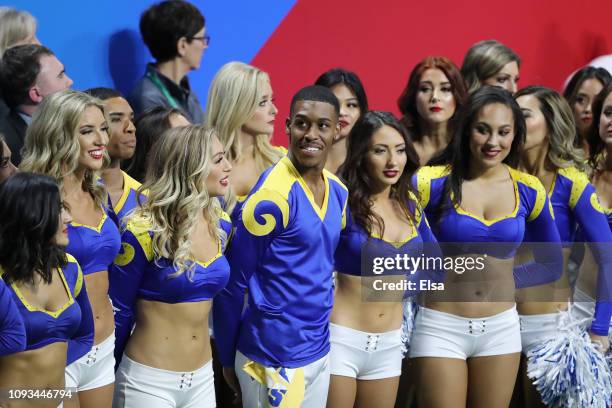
x=491 y=136
x=537 y=130
x=122 y=131
x=93 y=138
x=582 y=105
x=386 y=158
x=218 y=179
x=262 y=121
x=435 y=101
x=311 y=130
x=507 y=77
x=349 y=109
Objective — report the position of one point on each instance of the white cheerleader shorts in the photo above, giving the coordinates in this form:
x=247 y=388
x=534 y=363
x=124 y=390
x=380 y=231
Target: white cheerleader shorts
x=365 y=356
x=141 y=386
x=95 y=369
x=538 y=328
x=583 y=307
x=439 y=334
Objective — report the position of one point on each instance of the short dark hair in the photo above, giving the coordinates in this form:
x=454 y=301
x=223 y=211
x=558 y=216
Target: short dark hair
x=19 y=67
x=315 y=93
x=30 y=209
x=103 y=93
x=340 y=76
x=150 y=125
x=163 y=24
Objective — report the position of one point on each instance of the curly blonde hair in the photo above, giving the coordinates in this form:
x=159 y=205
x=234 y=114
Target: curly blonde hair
x=562 y=152
x=175 y=183
x=52 y=140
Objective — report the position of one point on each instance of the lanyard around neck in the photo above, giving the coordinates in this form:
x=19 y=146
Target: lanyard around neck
x=152 y=75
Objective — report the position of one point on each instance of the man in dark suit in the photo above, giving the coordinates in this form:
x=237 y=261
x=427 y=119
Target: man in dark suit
x=28 y=73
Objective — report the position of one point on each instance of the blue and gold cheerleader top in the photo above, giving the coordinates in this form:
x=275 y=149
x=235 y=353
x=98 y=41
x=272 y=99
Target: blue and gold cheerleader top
x=72 y=322
x=136 y=274
x=356 y=247
x=580 y=217
x=94 y=247
x=532 y=214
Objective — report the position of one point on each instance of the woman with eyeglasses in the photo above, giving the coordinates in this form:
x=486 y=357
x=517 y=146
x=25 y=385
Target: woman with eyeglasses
x=175 y=33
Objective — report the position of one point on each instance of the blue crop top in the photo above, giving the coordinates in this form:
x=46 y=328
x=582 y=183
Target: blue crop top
x=532 y=213
x=349 y=256
x=129 y=199
x=72 y=323
x=95 y=248
x=575 y=205
x=136 y=274
x=12 y=330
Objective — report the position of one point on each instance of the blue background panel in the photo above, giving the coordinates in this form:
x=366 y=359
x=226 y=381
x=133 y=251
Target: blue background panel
x=100 y=44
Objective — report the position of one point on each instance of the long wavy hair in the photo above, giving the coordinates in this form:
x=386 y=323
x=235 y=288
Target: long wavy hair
x=355 y=173
x=30 y=211
x=596 y=145
x=458 y=156
x=176 y=173
x=485 y=59
x=52 y=140
x=407 y=100
x=562 y=152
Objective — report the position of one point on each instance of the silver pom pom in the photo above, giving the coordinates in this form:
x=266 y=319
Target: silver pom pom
x=568 y=370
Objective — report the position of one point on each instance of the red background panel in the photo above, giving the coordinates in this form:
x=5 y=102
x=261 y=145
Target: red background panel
x=382 y=41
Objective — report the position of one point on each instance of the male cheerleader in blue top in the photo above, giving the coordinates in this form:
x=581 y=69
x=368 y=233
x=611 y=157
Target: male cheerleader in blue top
x=283 y=252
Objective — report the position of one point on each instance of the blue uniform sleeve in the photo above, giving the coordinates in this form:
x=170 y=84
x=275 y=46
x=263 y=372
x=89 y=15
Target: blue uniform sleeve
x=547 y=252
x=124 y=280
x=597 y=234
x=431 y=250
x=12 y=330
x=264 y=216
x=82 y=340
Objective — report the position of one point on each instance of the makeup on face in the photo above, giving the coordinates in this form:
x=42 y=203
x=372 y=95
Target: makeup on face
x=507 y=77
x=435 y=101
x=492 y=133
x=350 y=110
